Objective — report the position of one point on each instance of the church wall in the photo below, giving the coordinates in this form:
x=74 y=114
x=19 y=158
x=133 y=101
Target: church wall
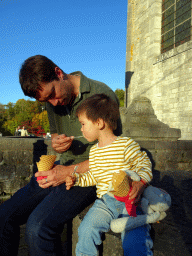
x=166 y=79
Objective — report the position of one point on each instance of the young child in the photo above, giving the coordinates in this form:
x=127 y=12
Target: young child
x=98 y=116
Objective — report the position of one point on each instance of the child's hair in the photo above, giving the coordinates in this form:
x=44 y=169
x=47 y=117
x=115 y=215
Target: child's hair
x=100 y=106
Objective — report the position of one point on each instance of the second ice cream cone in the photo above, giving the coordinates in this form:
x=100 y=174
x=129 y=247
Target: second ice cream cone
x=45 y=164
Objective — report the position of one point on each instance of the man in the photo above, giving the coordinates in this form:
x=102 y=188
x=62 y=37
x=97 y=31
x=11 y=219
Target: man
x=24 y=132
x=46 y=205
x=18 y=131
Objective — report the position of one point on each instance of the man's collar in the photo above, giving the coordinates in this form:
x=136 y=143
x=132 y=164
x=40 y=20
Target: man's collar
x=84 y=83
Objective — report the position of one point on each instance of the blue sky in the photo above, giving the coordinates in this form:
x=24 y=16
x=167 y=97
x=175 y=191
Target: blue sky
x=87 y=35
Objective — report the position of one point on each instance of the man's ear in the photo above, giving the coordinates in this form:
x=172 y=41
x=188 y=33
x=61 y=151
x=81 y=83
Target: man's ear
x=101 y=123
x=58 y=72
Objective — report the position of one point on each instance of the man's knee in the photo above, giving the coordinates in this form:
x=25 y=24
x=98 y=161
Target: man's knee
x=33 y=229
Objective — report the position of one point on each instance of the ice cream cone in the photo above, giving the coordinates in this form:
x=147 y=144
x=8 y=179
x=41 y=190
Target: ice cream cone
x=45 y=164
x=121 y=184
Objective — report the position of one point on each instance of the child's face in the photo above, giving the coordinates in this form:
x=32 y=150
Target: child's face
x=89 y=129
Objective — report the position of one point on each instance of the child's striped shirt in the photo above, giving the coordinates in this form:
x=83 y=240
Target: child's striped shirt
x=123 y=153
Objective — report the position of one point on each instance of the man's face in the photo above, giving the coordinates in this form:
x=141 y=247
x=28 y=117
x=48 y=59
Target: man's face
x=58 y=92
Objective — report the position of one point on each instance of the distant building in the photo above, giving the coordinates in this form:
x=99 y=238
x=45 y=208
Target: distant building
x=159 y=59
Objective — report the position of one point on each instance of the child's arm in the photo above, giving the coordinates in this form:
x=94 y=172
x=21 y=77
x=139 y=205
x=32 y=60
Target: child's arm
x=70 y=181
x=85 y=179
x=138 y=161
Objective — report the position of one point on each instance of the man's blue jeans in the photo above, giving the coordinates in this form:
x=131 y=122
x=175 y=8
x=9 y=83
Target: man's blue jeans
x=45 y=212
x=136 y=242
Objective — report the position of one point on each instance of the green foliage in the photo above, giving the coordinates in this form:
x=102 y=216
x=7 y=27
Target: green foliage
x=2 y=120
x=23 y=111
x=120 y=95
x=41 y=120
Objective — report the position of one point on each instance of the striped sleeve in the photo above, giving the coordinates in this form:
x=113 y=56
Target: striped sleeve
x=138 y=160
x=85 y=179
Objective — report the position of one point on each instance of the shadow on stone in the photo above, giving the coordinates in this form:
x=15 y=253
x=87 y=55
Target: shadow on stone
x=39 y=149
x=140 y=122
x=173 y=235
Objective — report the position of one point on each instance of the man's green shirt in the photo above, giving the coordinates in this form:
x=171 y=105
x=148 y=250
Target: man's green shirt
x=63 y=120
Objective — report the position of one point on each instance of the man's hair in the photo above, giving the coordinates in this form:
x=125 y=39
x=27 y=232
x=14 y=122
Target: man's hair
x=34 y=71
x=100 y=106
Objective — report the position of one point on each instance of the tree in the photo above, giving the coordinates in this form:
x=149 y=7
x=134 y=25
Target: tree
x=2 y=120
x=33 y=128
x=120 y=95
x=41 y=120
x=23 y=112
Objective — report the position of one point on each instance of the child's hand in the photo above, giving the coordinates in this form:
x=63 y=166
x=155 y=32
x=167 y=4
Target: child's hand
x=70 y=181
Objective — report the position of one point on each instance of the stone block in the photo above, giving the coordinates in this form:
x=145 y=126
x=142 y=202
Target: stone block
x=161 y=157
x=156 y=3
x=16 y=143
x=162 y=145
x=174 y=155
x=112 y=245
x=13 y=157
x=1 y=156
x=5 y=144
x=7 y=172
x=155 y=23
x=171 y=166
x=75 y=225
x=184 y=166
x=22 y=143
x=184 y=145
x=1 y=187
x=140 y=122
x=15 y=185
x=24 y=171
x=150 y=145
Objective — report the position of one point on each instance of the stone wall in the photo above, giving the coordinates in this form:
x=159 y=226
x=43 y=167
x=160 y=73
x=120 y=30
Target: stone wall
x=172 y=170
x=18 y=157
x=166 y=78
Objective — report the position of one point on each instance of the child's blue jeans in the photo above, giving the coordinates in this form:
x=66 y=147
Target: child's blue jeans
x=136 y=242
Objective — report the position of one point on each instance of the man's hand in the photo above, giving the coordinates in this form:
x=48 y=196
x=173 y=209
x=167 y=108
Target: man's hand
x=137 y=189
x=70 y=181
x=55 y=176
x=61 y=143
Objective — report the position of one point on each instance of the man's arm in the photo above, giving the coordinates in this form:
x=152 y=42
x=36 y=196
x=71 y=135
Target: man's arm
x=58 y=174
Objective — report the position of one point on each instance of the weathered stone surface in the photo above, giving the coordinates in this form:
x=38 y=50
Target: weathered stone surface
x=18 y=157
x=7 y=172
x=112 y=245
x=173 y=235
x=140 y=123
x=163 y=78
x=1 y=157
x=1 y=187
x=13 y=157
